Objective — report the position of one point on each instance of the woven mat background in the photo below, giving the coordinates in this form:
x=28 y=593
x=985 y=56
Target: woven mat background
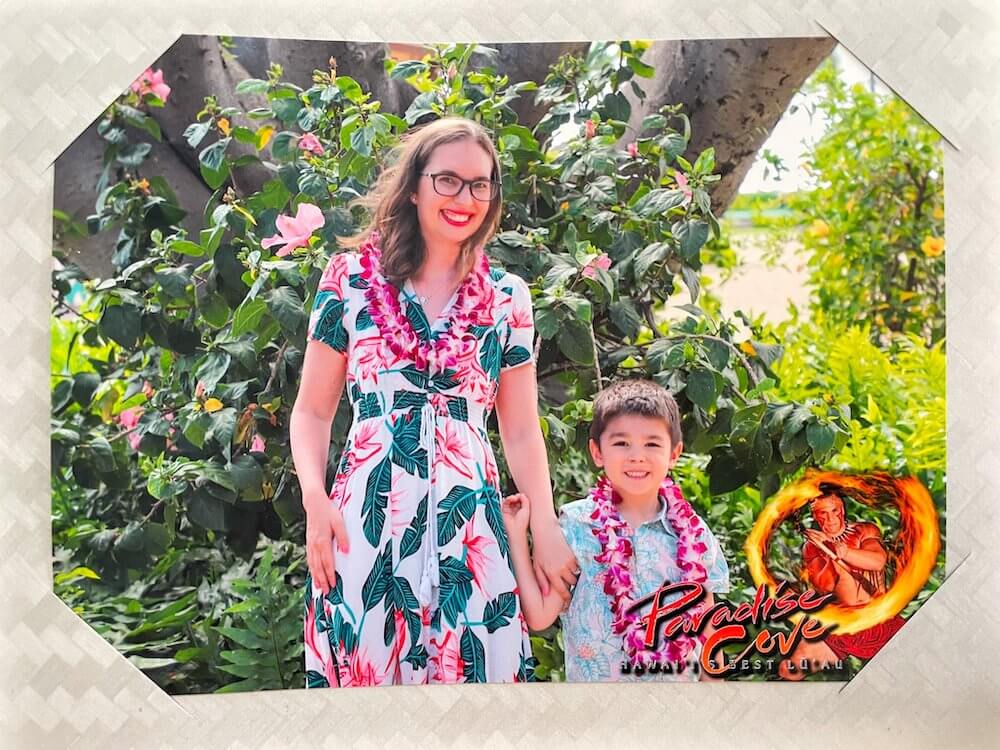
x=933 y=686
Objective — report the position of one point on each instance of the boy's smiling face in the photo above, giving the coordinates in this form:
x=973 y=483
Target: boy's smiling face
x=636 y=454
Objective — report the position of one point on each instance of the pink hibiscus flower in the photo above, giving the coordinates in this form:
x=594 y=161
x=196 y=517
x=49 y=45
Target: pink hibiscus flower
x=590 y=129
x=295 y=232
x=257 y=444
x=310 y=143
x=129 y=420
x=633 y=150
x=682 y=185
x=151 y=82
x=590 y=270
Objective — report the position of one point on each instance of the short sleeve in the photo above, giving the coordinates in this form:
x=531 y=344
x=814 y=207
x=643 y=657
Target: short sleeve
x=715 y=565
x=521 y=326
x=326 y=321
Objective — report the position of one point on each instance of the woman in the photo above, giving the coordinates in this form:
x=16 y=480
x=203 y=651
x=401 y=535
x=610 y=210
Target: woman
x=417 y=586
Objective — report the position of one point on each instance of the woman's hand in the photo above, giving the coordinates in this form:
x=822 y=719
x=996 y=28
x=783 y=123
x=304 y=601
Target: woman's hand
x=554 y=564
x=324 y=525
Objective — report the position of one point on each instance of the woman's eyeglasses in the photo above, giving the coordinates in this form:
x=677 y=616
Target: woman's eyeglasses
x=450 y=185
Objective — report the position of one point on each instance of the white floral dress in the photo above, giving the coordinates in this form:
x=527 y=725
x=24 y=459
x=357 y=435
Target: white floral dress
x=426 y=592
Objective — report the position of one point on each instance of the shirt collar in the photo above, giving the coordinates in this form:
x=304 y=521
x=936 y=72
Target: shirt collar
x=661 y=519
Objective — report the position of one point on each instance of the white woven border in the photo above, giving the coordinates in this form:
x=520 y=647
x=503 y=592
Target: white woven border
x=931 y=686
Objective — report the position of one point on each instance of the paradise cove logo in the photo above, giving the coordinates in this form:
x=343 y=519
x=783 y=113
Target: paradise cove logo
x=731 y=625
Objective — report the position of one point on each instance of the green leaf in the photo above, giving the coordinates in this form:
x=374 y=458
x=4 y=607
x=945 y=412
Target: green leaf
x=207 y=511
x=286 y=109
x=122 y=324
x=379 y=578
x=213 y=156
x=414 y=533
x=196 y=132
x=653 y=122
x=214 y=310
x=575 y=341
x=703 y=387
x=376 y=499
x=692 y=235
x=641 y=69
x=820 y=438
x=648 y=256
x=185 y=247
x=454 y=510
x=406 y=69
x=247 y=316
x=283 y=145
x=247 y=476
x=251 y=86
x=456 y=588
x=473 y=657
x=499 y=612
x=658 y=202
x=134 y=154
x=286 y=307
x=625 y=317
x=361 y=140
x=665 y=354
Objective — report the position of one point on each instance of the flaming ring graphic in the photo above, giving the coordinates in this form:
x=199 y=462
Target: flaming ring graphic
x=919 y=535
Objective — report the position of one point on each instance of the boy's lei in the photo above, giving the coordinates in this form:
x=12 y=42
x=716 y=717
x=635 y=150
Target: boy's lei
x=617 y=553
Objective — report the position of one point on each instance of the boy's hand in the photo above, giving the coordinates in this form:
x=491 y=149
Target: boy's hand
x=516 y=511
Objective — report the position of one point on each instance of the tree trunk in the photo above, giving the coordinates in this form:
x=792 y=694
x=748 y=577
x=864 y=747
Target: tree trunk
x=733 y=90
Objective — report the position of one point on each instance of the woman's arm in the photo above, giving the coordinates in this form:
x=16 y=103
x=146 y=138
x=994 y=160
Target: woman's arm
x=524 y=448
x=324 y=373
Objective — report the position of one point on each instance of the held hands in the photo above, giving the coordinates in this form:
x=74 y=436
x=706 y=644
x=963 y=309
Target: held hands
x=324 y=525
x=555 y=566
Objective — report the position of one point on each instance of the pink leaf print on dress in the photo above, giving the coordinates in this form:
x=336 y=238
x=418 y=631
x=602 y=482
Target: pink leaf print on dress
x=451 y=449
x=477 y=558
x=448 y=663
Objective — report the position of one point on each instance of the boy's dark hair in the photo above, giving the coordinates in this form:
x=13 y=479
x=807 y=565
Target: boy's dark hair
x=641 y=397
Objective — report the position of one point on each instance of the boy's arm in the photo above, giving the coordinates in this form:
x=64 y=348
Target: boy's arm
x=539 y=611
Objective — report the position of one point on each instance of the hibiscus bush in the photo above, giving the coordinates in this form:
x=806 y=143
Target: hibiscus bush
x=175 y=500
x=875 y=243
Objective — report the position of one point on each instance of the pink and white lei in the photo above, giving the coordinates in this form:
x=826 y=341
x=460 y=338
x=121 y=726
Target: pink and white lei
x=617 y=553
x=473 y=306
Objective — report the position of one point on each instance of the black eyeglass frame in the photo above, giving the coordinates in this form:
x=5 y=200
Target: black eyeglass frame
x=494 y=185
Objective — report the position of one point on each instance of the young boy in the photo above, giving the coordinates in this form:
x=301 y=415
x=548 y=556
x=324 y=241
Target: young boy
x=630 y=536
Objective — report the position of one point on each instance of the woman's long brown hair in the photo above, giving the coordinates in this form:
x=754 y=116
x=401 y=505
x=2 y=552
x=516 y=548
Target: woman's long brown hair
x=394 y=216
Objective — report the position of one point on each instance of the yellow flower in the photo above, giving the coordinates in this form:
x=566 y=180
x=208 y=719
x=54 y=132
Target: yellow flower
x=819 y=228
x=564 y=205
x=932 y=246
x=223 y=125
x=938 y=213
x=212 y=405
x=850 y=205
x=747 y=348
x=264 y=136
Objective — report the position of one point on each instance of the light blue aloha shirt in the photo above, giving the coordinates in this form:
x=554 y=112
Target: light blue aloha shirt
x=593 y=652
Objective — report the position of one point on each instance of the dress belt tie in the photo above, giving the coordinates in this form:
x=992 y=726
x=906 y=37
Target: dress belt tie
x=430 y=581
